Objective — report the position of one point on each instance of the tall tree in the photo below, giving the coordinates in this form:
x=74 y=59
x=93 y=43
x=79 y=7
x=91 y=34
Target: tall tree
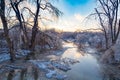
x=39 y=5
x=108 y=17
x=6 y=31
x=35 y=26
x=15 y=6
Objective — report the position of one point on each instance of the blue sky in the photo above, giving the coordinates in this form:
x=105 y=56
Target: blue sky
x=70 y=7
x=74 y=13
x=77 y=2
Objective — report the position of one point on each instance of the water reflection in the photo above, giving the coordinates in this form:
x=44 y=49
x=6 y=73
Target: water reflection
x=23 y=73
x=35 y=72
x=87 y=69
x=30 y=73
x=11 y=75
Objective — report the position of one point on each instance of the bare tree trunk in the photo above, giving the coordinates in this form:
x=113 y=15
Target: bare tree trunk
x=35 y=26
x=106 y=40
x=104 y=30
x=20 y=17
x=6 y=31
x=26 y=41
x=117 y=35
x=111 y=30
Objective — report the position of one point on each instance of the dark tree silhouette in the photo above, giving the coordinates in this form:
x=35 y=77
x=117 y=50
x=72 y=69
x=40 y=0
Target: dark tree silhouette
x=6 y=31
x=15 y=6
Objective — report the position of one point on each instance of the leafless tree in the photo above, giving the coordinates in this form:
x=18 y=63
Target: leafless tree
x=15 y=6
x=39 y=5
x=107 y=13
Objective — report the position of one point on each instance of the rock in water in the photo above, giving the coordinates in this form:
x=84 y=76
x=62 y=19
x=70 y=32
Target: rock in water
x=60 y=66
x=60 y=76
x=50 y=74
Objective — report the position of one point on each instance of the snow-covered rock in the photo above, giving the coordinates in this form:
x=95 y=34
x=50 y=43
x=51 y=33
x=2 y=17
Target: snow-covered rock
x=4 y=57
x=69 y=61
x=51 y=67
x=50 y=73
x=4 y=50
x=90 y=50
x=63 y=67
x=60 y=76
x=40 y=64
x=21 y=53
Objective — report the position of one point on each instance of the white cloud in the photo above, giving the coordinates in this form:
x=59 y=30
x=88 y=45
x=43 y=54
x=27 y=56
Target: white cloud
x=73 y=23
x=79 y=17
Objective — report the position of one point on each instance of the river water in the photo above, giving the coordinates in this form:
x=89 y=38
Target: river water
x=88 y=67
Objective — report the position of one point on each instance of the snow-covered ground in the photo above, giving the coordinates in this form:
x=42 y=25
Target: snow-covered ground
x=4 y=54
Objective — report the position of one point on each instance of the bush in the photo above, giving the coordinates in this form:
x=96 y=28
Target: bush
x=47 y=40
x=93 y=39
